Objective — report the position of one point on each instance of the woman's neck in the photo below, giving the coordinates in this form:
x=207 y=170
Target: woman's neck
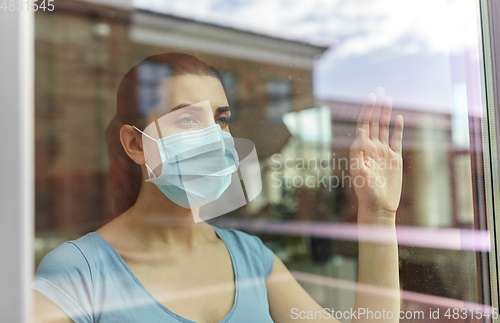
x=156 y=222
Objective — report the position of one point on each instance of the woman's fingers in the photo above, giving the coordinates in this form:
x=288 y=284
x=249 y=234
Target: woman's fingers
x=374 y=120
x=385 y=119
x=356 y=149
x=397 y=134
x=366 y=113
x=375 y=117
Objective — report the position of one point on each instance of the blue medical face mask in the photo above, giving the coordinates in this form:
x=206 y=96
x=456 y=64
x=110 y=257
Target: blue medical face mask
x=196 y=166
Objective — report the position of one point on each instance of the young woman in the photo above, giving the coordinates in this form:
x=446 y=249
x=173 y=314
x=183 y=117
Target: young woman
x=153 y=263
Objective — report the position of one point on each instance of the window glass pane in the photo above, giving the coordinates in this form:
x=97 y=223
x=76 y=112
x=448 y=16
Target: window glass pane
x=295 y=76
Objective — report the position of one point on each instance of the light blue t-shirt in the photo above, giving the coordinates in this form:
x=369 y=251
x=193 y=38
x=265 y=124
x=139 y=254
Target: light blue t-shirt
x=90 y=282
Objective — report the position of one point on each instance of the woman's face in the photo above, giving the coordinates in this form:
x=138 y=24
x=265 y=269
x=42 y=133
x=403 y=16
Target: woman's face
x=187 y=103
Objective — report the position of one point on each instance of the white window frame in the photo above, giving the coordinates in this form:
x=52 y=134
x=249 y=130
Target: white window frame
x=16 y=164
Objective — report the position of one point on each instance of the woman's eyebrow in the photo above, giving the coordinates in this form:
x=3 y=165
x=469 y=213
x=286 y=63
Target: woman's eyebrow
x=222 y=110
x=218 y=111
x=180 y=106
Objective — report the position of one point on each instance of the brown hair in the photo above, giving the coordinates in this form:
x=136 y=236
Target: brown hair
x=125 y=177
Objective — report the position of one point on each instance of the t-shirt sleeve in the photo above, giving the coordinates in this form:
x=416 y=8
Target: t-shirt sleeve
x=65 y=278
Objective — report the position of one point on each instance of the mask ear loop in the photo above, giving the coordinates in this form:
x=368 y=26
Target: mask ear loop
x=145 y=134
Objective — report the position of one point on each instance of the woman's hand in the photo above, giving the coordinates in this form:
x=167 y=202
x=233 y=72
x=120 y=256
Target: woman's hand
x=376 y=164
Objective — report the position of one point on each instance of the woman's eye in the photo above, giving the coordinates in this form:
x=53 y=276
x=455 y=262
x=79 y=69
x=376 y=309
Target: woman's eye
x=223 y=121
x=186 y=121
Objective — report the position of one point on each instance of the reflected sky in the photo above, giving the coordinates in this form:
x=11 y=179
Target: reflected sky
x=403 y=46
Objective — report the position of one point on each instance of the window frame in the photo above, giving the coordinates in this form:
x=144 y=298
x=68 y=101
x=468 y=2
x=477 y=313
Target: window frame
x=17 y=184
x=491 y=138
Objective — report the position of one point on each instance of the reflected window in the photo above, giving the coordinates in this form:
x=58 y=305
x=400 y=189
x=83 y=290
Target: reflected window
x=231 y=82
x=150 y=76
x=279 y=94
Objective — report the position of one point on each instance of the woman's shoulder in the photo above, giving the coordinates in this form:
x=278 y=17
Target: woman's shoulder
x=65 y=277
x=68 y=255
